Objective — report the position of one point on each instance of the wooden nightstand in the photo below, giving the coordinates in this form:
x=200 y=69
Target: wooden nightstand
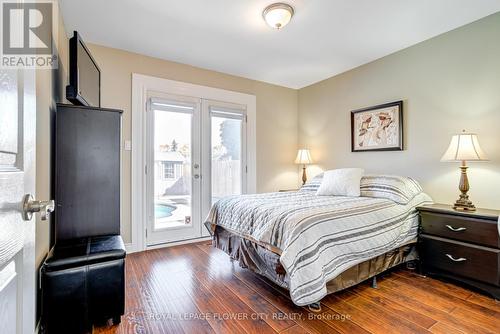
x=463 y=246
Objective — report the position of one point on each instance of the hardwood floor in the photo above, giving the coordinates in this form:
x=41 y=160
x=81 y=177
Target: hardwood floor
x=198 y=289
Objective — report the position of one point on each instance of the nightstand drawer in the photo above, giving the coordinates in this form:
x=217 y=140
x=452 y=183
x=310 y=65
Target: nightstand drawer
x=466 y=260
x=479 y=231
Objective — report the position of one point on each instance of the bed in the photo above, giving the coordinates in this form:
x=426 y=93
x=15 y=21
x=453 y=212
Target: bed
x=315 y=245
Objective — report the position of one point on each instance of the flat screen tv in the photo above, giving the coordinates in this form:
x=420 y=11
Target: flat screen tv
x=84 y=75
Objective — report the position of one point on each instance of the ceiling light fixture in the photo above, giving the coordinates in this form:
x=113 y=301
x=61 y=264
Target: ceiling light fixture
x=278 y=15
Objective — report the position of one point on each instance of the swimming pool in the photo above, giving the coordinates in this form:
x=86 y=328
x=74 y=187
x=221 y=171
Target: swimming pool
x=163 y=210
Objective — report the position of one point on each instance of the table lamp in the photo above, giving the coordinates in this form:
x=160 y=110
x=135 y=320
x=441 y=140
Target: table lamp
x=464 y=147
x=303 y=158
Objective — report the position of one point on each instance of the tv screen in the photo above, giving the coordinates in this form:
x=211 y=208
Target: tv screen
x=85 y=76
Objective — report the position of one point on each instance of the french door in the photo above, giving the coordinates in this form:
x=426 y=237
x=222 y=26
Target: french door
x=196 y=150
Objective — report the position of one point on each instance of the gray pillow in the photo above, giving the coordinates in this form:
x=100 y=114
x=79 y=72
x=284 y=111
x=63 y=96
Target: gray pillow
x=400 y=189
x=313 y=184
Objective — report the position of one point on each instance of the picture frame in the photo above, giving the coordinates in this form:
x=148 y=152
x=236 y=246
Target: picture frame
x=378 y=128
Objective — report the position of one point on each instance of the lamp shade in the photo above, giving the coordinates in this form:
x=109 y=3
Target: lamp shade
x=303 y=157
x=464 y=147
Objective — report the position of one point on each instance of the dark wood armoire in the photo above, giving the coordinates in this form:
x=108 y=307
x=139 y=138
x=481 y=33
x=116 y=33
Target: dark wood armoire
x=87 y=171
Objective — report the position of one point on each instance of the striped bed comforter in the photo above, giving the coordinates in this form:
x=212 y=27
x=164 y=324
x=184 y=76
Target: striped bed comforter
x=318 y=237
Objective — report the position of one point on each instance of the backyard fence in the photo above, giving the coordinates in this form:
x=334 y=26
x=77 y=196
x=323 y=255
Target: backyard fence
x=226 y=177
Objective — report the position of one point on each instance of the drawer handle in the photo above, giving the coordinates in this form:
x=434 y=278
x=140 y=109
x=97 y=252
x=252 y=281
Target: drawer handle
x=456 y=229
x=460 y=259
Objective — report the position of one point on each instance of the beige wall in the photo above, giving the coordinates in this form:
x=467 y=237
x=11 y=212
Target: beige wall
x=276 y=118
x=276 y=114
x=50 y=89
x=448 y=83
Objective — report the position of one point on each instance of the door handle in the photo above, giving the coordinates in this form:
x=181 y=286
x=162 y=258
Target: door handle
x=460 y=259
x=196 y=176
x=456 y=229
x=31 y=206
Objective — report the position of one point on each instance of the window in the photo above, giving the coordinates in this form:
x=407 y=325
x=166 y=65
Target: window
x=168 y=170
x=227 y=132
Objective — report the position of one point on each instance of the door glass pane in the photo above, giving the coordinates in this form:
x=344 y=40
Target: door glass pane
x=9 y=116
x=172 y=169
x=226 y=157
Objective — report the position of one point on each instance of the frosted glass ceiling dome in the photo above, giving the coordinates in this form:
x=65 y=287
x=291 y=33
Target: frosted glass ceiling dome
x=278 y=15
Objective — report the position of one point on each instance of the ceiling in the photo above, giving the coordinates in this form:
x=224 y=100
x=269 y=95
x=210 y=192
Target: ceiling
x=324 y=38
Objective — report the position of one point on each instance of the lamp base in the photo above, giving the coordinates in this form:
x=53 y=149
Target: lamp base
x=304 y=175
x=464 y=203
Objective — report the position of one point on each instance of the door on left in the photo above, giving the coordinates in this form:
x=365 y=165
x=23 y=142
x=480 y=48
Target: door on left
x=17 y=179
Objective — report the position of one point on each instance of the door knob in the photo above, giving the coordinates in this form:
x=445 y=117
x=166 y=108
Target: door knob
x=30 y=206
x=196 y=176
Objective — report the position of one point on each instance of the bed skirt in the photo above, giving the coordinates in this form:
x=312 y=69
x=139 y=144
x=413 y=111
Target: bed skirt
x=266 y=263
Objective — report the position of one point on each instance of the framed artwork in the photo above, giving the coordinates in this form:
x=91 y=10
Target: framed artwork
x=378 y=128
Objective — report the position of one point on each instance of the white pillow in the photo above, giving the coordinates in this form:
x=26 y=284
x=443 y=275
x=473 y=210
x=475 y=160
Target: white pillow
x=341 y=182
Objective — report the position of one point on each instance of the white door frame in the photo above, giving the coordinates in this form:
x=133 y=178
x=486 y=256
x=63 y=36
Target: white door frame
x=142 y=85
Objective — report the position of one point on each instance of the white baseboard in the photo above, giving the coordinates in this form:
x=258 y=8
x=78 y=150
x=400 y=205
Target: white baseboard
x=130 y=248
x=178 y=243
